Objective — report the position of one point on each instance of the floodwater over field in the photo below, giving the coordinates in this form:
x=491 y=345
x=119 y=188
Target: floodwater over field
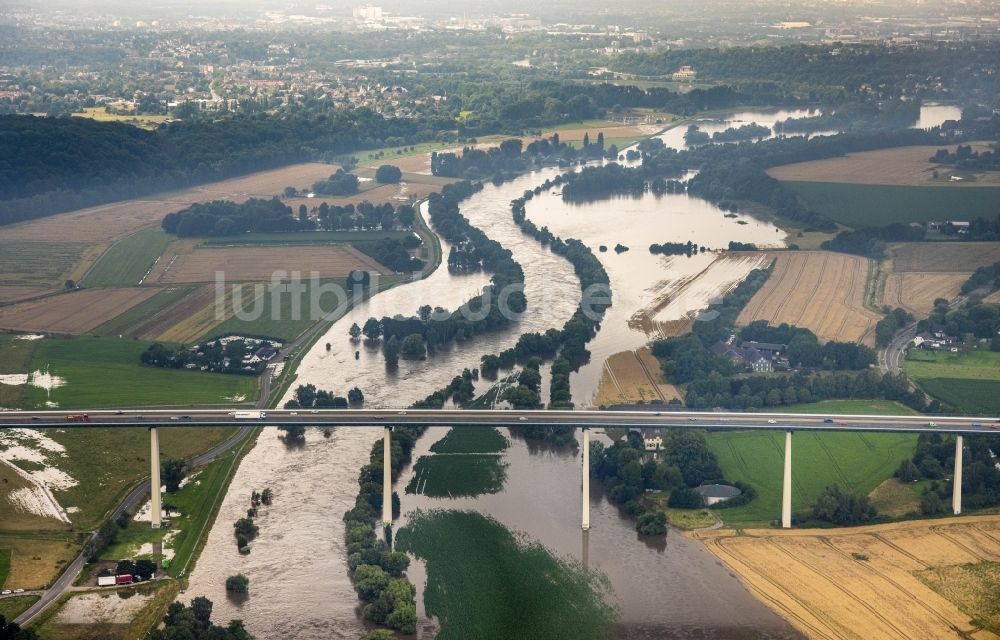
x=299 y=585
x=933 y=115
x=652 y=293
x=674 y=138
x=664 y=588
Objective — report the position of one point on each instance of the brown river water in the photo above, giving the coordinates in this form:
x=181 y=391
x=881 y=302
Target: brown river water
x=297 y=569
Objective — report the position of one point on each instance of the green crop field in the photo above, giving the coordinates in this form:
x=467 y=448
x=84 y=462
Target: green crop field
x=4 y=565
x=456 y=474
x=11 y=608
x=976 y=397
x=127 y=261
x=974 y=365
x=869 y=205
x=471 y=441
x=283 y=321
x=194 y=506
x=311 y=237
x=144 y=310
x=858 y=462
x=106 y=372
x=968 y=380
x=107 y=462
x=16 y=358
x=484 y=582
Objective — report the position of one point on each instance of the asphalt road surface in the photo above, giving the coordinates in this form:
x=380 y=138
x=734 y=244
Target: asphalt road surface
x=388 y=417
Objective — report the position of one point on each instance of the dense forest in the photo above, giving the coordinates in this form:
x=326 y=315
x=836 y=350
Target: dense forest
x=48 y=165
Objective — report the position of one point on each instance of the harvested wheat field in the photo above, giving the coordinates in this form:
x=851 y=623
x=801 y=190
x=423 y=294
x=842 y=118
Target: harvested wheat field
x=895 y=166
x=633 y=376
x=187 y=307
x=816 y=290
x=74 y=312
x=14 y=293
x=200 y=312
x=106 y=223
x=916 y=292
x=952 y=257
x=262 y=184
x=258 y=264
x=868 y=583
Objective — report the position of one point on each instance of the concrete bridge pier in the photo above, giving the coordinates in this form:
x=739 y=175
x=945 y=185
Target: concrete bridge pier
x=387 y=477
x=786 y=486
x=154 y=478
x=956 y=485
x=586 y=478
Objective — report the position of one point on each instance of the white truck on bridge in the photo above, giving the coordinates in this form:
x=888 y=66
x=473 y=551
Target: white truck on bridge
x=249 y=415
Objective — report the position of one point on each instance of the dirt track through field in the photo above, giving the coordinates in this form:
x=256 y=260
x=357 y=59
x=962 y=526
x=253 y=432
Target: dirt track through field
x=816 y=290
x=861 y=583
x=75 y=312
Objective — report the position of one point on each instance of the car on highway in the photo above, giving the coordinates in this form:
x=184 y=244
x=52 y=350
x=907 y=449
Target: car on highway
x=174 y=418
x=828 y=421
x=522 y=418
x=977 y=424
x=932 y=424
x=401 y=413
x=772 y=422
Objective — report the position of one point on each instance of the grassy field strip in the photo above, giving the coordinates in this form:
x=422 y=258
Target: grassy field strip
x=11 y=607
x=37 y=558
x=123 y=380
x=968 y=379
x=857 y=462
x=128 y=260
x=867 y=205
x=4 y=565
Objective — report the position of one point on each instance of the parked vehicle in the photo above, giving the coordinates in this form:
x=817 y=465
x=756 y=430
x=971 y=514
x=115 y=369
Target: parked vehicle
x=106 y=581
x=124 y=579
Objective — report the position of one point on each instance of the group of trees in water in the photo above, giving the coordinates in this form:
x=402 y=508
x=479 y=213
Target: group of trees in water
x=307 y=396
x=194 y=622
x=377 y=572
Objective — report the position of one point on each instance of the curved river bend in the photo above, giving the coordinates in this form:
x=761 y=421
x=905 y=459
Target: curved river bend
x=297 y=568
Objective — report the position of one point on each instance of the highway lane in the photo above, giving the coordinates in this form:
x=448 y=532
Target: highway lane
x=382 y=417
x=130 y=502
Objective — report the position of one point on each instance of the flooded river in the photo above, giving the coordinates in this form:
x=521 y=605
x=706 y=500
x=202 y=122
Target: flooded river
x=297 y=569
x=665 y=588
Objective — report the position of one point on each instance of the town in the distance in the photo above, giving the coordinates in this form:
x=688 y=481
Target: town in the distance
x=500 y=320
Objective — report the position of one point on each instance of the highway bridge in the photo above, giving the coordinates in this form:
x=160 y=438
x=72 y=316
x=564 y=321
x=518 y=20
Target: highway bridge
x=452 y=417
x=387 y=418
x=154 y=419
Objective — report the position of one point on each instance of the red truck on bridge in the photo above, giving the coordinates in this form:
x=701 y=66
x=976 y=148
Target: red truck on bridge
x=78 y=417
